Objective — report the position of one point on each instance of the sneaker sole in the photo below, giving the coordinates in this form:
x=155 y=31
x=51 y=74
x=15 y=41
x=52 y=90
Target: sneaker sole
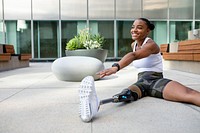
x=85 y=92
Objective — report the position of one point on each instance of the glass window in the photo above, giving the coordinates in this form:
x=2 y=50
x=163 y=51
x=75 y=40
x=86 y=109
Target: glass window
x=45 y=39
x=156 y=9
x=17 y=9
x=197 y=25
x=18 y=33
x=69 y=30
x=73 y=9
x=45 y=9
x=106 y=29
x=197 y=9
x=1 y=32
x=124 y=39
x=180 y=9
x=1 y=14
x=128 y=10
x=179 y=30
x=101 y=9
x=160 y=32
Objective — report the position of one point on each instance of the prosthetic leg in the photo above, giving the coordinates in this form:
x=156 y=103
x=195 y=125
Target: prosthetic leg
x=125 y=96
x=89 y=102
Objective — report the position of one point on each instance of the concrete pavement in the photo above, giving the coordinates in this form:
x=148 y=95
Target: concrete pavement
x=33 y=100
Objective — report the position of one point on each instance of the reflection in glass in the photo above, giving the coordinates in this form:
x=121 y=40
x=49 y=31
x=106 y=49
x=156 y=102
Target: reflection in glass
x=45 y=39
x=179 y=30
x=197 y=9
x=180 y=9
x=106 y=29
x=155 y=9
x=124 y=37
x=101 y=9
x=18 y=36
x=69 y=30
x=45 y=9
x=128 y=10
x=73 y=9
x=1 y=13
x=21 y=25
x=1 y=32
x=197 y=25
x=160 y=32
x=17 y=9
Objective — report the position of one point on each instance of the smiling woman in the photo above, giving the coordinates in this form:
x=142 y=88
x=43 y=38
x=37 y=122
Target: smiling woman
x=147 y=59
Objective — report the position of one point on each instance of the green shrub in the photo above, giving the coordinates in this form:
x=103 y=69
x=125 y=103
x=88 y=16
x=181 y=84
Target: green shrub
x=85 y=40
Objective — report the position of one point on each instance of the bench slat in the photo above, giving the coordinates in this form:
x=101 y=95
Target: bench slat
x=178 y=56
x=196 y=56
x=25 y=57
x=9 y=49
x=189 y=47
x=5 y=57
x=186 y=42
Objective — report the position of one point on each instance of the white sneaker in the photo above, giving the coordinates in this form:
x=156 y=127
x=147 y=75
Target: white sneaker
x=89 y=102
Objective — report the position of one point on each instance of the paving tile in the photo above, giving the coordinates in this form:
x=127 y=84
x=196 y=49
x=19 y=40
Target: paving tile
x=33 y=100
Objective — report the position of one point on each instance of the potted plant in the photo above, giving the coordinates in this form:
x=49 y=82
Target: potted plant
x=87 y=44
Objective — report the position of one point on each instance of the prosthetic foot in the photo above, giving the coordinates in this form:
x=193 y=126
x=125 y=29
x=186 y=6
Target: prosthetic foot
x=125 y=96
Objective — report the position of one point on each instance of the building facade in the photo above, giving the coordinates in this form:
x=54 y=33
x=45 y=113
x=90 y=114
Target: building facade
x=43 y=28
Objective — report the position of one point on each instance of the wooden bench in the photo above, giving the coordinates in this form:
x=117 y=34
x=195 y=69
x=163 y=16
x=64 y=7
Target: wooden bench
x=187 y=51
x=5 y=57
x=164 y=48
x=187 y=57
x=10 y=49
x=9 y=60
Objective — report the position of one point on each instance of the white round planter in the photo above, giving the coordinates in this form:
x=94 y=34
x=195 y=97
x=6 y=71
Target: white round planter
x=75 y=68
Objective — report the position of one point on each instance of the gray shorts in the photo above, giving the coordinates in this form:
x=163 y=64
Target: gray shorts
x=151 y=84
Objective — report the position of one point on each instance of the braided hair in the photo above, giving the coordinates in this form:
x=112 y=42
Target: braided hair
x=149 y=24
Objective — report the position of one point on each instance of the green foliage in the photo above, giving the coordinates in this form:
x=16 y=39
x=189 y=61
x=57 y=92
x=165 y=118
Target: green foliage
x=74 y=44
x=99 y=38
x=85 y=40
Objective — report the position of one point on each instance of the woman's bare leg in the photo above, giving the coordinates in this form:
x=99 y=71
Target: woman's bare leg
x=177 y=92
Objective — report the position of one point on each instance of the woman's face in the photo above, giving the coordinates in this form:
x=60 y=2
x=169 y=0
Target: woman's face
x=139 y=30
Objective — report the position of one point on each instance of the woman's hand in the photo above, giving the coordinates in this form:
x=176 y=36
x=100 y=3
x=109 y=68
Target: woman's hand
x=107 y=72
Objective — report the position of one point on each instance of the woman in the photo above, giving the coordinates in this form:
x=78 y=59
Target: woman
x=147 y=59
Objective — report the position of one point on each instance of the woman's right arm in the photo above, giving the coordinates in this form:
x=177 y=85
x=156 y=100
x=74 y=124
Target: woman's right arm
x=145 y=51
